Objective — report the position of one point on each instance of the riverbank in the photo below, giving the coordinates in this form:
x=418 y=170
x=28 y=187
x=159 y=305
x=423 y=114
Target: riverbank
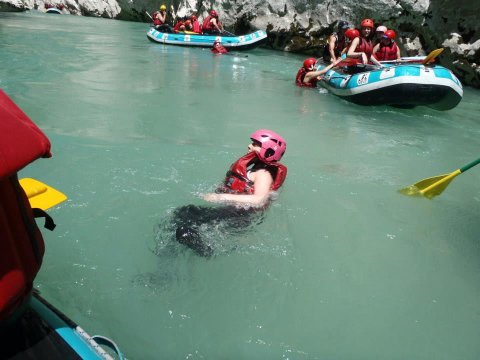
x=421 y=26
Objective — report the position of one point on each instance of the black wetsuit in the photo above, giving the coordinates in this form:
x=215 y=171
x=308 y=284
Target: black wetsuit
x=191 y=220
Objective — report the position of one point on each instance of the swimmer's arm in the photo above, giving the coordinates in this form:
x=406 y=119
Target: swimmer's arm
x=319 y=73
x=263 y=183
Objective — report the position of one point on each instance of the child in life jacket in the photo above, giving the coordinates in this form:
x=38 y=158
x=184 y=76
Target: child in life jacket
x=251 y=178
x=211 y=24
x=361 y=47
x=218 y=48
x=160 y=20
x=308 y=75
x=387 y=49
x=245 y=192
x=197 y=28
x=179 y=26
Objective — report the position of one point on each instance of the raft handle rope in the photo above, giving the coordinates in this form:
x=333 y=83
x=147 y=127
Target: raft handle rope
x=90 y=339
x=102 y=340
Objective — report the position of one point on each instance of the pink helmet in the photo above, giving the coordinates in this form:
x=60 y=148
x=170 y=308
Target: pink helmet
x=381 y=28
x=273 y=145
x=213 y=13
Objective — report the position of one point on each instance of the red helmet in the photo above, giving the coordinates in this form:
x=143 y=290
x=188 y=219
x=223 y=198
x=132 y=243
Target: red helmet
x=188 y=22
x=389 y=34
x=309 y=64
x=367 y=23
x=213 y=13
x=193 y=18
x=352 y=34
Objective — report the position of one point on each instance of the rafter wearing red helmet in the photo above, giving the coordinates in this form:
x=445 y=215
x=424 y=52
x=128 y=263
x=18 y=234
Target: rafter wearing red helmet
x=197 y=28
x=361 y=47
x=387 y=49
x=211 y=24
x=308 y=75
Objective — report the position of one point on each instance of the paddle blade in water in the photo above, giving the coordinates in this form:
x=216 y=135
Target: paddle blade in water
x=430 y=187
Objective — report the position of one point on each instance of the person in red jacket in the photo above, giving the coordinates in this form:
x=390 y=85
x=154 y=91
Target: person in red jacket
x=361 y=47
x=387 y=49
x=308 y=75
x=211 y=24
x=244 y=195
x=159 y=20
x=218 y=48
x=197 y=28
x=179 y=26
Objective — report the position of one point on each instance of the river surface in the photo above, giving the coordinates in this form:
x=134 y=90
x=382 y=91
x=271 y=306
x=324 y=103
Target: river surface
x=342 y=265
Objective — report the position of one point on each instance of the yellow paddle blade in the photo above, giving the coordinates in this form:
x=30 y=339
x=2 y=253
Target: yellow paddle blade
x=430 y=187
x=431 y=57
x=41 y=195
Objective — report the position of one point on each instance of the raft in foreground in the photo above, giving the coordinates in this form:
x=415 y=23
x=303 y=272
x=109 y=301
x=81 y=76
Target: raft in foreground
x=243 y=42
x=43 y=332
x=399 y=85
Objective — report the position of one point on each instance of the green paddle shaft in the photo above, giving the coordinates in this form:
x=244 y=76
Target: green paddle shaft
x=468 y=166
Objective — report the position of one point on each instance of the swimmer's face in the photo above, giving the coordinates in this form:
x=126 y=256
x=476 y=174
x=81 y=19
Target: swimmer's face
x=255 y=146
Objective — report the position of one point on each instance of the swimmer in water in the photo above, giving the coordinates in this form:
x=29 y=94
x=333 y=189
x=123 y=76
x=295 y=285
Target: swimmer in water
x=246 y=190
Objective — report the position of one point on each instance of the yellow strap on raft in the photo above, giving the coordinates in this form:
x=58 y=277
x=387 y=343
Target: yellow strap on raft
x=41 y=195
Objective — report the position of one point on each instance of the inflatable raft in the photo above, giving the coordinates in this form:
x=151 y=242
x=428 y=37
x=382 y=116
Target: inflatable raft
x=403 y=85
x=43 y=332
x=53 y=10
x=243 y=42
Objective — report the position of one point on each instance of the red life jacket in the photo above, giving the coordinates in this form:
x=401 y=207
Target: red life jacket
x=21 y=243
x=365 y=46
x=207 y=25
x=219 y=50
x=196 y=27
x=301 y=75
x=156 y=21
x=388 y=52
x=176 y=28
x=237 y=180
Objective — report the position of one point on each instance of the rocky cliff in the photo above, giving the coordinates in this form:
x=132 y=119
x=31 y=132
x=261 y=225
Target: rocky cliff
x=303 y=25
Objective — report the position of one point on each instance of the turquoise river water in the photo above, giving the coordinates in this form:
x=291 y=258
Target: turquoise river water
x=342 y=265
